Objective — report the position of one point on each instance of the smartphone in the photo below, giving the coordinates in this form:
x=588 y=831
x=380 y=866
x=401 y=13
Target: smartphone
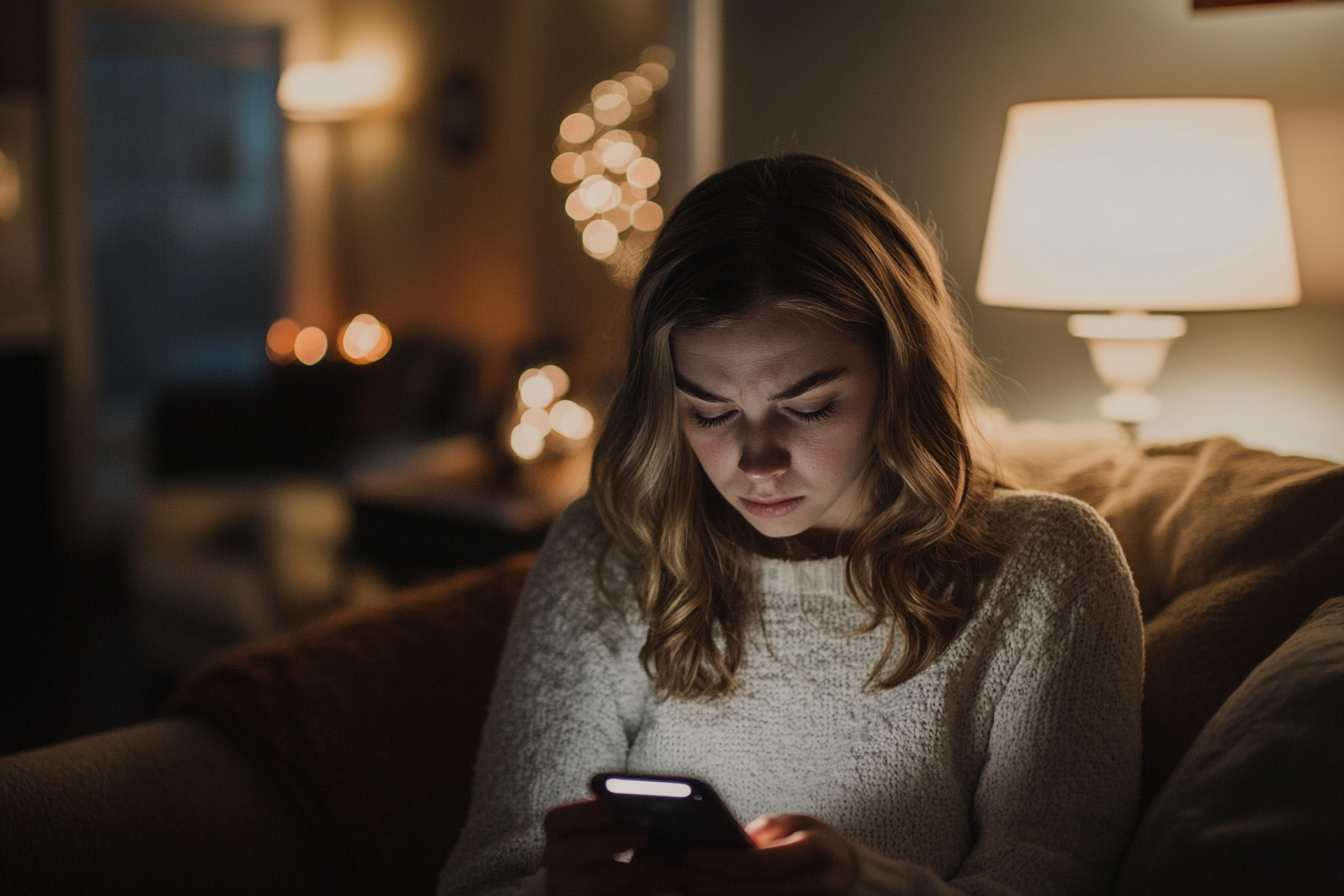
x=678 y=813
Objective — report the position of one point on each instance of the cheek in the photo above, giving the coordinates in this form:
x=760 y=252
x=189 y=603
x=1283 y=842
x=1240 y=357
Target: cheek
x=841 y=452
x=710 y=449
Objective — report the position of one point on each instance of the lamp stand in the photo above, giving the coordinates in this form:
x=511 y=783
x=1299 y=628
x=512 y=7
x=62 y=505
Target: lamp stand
x=1128 y=349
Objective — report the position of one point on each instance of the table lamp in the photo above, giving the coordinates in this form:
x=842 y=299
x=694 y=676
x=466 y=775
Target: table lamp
x=1131 y=206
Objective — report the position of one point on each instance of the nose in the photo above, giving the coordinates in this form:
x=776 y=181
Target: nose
x=763 y=457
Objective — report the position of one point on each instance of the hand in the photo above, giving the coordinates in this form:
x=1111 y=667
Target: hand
x=796 y=855
x=582 y=841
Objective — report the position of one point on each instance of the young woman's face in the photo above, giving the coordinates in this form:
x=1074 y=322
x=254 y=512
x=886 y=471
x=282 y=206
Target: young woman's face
x=779 y=410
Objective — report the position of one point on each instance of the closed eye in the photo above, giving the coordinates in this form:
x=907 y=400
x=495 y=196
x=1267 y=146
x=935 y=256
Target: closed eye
x=817 y=415
x=710 y=422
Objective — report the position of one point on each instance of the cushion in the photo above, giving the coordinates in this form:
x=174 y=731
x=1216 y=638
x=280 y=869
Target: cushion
x=370 y=721
x=1231 y=549
x=1257 y=805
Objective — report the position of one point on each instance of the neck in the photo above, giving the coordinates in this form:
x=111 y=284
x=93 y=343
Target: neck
x=814 y=544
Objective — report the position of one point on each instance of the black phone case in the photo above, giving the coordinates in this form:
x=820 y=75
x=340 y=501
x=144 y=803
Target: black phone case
x=676 y=823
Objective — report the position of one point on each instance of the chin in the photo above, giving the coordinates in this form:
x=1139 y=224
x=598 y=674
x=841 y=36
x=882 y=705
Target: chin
x=778 y=528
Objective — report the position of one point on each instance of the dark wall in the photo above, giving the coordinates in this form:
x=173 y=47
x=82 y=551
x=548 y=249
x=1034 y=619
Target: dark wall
x=23 y=56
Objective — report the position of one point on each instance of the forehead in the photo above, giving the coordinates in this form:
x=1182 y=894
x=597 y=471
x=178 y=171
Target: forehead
x=769 y=346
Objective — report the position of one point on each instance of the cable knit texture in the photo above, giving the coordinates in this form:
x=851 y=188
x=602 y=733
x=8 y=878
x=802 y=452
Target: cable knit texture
x=1010 y=765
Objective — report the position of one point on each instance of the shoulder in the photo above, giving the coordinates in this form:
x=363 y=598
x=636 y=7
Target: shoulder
x=566 y=570
x=1049 y=522
x=578 y=528
x=1057 y=545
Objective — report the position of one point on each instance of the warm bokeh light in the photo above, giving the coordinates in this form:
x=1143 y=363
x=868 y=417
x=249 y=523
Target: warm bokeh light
x=559 y=379
x=526 y=442
x=654 y=73
x=618 y=156
x=576 y=208
x=535 y=389
x=280 y=340
x=310 y=345
x=599 y=194
x=607 y=88
x=577 y=128
x=619 y=218
x=571 y=420
x=613 y=168
x=630 y=194
x=664 y=56
x=563 y=170
x=364 y=339
x=600 y=238
x=646 y=215
x=587 y=165
x=611 y=109
x=336 y=91
x=538 y=419
x=643 y=172
x=638 y=89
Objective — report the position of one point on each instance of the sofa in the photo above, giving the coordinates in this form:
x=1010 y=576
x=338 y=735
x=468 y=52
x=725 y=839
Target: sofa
x=337 y=758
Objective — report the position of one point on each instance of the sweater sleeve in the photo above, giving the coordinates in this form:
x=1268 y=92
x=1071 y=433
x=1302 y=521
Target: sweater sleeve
x=565 y=706
x=1058 y=793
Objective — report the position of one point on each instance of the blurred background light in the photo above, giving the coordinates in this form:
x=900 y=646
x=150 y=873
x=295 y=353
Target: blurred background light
x=525 y=441
x=280 y=340
x=364 y=339
x=577 y=128
x=613 y=168
x=340 y=90
x=535 y=389
x=310 y=345
x=643 y=173
x=571 y=420
x=600 y=238
x=559 y=380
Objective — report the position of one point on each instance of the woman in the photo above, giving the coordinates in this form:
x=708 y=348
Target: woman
x=792 y=579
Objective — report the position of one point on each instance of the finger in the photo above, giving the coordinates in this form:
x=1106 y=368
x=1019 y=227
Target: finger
x=585 y=815
x=767 y=828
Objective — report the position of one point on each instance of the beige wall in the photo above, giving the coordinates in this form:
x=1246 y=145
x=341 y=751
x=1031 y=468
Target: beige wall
x=918 y=91
x=482 y=250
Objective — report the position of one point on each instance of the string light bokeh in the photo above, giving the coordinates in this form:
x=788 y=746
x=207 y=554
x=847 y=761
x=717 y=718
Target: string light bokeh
x=609 y=162
x=544 y=416
x=363 y=340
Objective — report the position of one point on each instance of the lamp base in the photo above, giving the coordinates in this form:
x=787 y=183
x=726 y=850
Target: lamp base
x=1128 y=349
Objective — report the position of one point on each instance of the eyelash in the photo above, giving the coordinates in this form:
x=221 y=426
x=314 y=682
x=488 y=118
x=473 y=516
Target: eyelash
x=806 y=416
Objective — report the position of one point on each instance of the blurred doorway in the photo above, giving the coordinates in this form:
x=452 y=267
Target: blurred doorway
x=186 y=206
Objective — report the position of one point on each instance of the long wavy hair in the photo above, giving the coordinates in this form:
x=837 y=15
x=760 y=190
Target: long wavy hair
x=812 y=234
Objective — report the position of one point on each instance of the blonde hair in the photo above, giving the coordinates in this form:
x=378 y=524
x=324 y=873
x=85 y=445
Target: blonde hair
x=812 y=234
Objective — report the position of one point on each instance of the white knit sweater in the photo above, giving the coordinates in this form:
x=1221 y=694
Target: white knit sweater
x=1010 y=765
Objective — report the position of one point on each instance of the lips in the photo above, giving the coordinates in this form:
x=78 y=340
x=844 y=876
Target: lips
x=781 y=507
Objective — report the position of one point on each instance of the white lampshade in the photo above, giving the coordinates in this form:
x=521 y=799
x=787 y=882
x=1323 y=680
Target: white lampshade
x=1140 y=204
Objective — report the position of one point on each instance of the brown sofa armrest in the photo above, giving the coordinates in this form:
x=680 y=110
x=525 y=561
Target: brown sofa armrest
x=370 y=720
x=169 y=806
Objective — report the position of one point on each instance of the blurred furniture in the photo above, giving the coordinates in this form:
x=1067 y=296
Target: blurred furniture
x=337 y=759
x=444 y=506
x=214 y=564
x=243 y=529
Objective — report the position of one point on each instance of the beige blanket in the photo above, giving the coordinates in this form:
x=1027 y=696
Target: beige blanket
x=1231 y=549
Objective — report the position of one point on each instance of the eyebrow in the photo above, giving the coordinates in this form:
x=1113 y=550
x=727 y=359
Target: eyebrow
x=804 y=385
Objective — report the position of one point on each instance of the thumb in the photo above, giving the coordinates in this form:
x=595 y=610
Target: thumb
x=767 y=829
